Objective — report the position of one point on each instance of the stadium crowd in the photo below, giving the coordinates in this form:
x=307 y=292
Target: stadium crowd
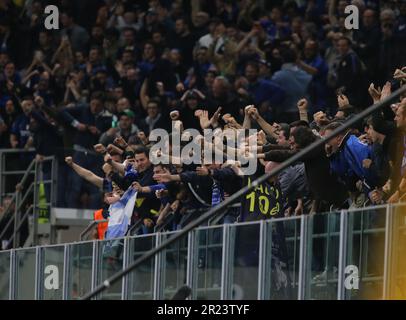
x=92 y=92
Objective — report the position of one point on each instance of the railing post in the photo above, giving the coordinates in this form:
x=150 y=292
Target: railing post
x=342 y=254
x=158 y=268
x=126 y=257
x=39 y=283
x=66 y=271
x=13 y=275
x=54 y=196
x=95 y=265
x=2 y=177
x=35 y=206
x=303 y=257
x=388 y=258
x=192 y=253
x=226 y=263
x=54 y=182
x=263 y=287
x=16 y=234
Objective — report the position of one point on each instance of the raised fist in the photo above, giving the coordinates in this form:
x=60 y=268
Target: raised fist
x=174 y=115
x=302 y=104
x=69 y=161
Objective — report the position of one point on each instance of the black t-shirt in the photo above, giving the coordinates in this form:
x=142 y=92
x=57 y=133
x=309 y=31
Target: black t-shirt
x=264 y=202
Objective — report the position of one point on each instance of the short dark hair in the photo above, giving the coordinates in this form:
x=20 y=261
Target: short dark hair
x=285 y=129
x=184 y=19
x=112 y=32
x=253 y=64
x=97 y=95
x=95 y=47
x=129 y=29
x=69 y=12
x=142 y=149
x=297 y=123
x=346 y=39
x=154 y=100
x=332 y=126
x=163 y=165
x=27 y=97
x=304 y=136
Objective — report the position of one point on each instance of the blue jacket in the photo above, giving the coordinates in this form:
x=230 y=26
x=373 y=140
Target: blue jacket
x=295 y=82
x=347 y=163
x=267 y=90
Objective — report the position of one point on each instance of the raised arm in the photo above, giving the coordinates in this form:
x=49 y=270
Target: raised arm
x=84 y=173
x=268 y=128
x=117 y=166
x=247 y=119
x=302 y=107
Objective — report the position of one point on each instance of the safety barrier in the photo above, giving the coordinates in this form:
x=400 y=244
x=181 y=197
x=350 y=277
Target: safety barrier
x=351 y=254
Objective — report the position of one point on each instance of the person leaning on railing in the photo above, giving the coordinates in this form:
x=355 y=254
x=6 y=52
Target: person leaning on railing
x=392 y=121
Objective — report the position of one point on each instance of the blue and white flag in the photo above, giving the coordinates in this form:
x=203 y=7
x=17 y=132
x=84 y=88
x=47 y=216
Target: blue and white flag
x=120 y=215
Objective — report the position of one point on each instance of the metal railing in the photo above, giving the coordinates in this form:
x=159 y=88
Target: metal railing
x=25 y=203
x=18 y=171
x=211 y=260
x=92 y=225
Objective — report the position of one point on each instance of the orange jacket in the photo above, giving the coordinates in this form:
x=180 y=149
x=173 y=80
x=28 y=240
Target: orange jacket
x=101 y=227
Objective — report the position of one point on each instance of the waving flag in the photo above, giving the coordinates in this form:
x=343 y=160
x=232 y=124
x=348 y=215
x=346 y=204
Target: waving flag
x=120 y=215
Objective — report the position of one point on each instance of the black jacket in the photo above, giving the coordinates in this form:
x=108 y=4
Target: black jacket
x=321 y=181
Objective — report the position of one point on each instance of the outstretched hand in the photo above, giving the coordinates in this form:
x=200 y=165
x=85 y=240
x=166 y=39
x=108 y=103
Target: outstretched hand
x=375 y=93
x=214 y=120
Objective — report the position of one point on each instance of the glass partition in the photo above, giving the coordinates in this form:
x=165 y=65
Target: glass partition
x=365 y=247
x=208 y=263
x=52 y=272
x=4 y=275
x=262 y=260
x=141 y=280
x=282 y=257
x=110 y=261
x=173 y=265
x=244 y=261
x=25 y=274
x=396 y=262
x=80 y=269
x=321 y=274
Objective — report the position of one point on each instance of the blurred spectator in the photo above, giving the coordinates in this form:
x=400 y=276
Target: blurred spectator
x=392 y=45
x=77 y=35
x=350 y=73
x=261 y=90
x=367 y=41
x=295 y=83
x=20 y=133
x=126 y=128
x=315 y=65
x=184 y=41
